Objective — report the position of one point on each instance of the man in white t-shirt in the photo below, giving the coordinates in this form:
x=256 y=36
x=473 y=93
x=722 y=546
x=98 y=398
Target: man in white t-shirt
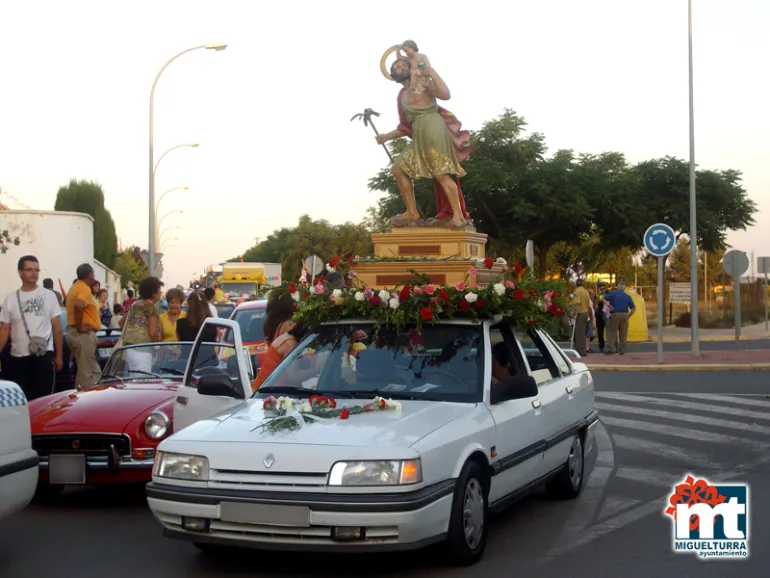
x=210 y=295
x=32 y=312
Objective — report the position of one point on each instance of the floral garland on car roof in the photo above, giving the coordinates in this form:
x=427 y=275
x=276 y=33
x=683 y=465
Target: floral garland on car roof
x=339 y=295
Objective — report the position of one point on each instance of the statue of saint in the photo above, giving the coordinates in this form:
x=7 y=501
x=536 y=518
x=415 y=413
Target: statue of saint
x=438 y=145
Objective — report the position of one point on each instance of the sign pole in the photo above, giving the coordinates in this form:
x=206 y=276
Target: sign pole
x=766 y=299
x=661 y=309
x=694 y=339
x=737 y=306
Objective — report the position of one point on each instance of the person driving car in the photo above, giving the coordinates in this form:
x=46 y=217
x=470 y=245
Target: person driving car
x=500 y=362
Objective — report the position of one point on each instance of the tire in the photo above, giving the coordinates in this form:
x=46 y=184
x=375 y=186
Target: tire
x=467 y=535
x=46 y=493
x=568 y=483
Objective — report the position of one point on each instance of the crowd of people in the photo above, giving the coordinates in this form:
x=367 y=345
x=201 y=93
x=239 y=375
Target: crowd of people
x=599 y=310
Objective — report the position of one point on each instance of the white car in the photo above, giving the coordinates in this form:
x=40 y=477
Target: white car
x=453 y=445
x=18 y=461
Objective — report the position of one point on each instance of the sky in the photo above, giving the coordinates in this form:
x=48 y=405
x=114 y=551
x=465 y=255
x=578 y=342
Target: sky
x=272 y=111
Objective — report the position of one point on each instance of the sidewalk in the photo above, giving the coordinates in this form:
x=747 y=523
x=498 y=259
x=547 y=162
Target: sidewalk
x=758 y=359
x=682 y=334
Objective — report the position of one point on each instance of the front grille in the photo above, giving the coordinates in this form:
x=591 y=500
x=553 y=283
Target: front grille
x=91 y=445
x=251 y=480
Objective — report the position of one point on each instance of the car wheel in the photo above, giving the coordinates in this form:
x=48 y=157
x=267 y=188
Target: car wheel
x=46 y=493
x=467 y=535
x=568 y=484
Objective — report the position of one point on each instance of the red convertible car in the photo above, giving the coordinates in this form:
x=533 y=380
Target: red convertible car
x=107 y=433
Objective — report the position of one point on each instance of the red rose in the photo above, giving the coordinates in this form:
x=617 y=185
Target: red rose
x=464 y=305
x=332 y=403
x=480 y=303
x=426 y=314
x=345 y=413
x=292 y=287
x=488 y=262
x=519 y=294
x=381 y=404
x=533 y=292
x=443 y=295
x=374 y=300
x=517 y=268
x=532 y=321
x=351 y=262
x=404 y=296
x=333 y=262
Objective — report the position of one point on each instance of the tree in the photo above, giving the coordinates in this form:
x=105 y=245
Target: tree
x=129 y=266
x=290 y=245
x=88 y=197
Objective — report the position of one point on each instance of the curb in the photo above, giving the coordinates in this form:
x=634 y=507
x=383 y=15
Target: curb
x=685 y=367
x=715 y=339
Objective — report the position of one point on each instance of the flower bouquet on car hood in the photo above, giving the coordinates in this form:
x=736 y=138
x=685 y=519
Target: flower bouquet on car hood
x=339 y=295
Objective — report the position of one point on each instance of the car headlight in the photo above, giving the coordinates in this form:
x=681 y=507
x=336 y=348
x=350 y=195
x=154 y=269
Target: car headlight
x=181 y=467
x=157 y=425
x=376 y=473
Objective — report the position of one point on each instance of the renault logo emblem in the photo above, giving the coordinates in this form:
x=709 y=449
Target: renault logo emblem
x=269 y=460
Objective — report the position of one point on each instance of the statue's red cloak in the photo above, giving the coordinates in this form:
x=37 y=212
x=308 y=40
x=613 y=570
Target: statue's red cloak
x=461 y=140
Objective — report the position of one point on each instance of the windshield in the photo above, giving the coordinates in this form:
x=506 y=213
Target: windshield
x=444 y=363
x=237 y=289
x=165 y=359
x=224 y=310
x=251 y=322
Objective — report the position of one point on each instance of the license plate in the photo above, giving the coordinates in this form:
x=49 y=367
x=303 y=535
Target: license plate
x=67 y=469
x=265 y=515
x=105 y=351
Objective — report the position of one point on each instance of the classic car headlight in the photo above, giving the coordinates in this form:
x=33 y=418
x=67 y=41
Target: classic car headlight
x=157 y=425
x=379 y=473
x=181 y=467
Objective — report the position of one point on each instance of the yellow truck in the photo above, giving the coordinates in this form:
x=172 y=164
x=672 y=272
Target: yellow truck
x=252 y=279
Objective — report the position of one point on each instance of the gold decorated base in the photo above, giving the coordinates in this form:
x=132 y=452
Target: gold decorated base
x=445 y=255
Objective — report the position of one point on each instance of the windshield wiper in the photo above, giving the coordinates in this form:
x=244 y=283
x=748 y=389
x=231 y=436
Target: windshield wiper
x=111 y=376
x=292 y=389
x=143 y=372
x=171 y=371
x=415 y=395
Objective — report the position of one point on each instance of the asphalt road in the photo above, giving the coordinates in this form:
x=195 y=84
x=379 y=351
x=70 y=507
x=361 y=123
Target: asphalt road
x=710 y=424
x=652 y=346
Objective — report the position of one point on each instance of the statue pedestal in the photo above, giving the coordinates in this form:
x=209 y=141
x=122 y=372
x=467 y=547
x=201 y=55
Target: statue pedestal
x=445 y=255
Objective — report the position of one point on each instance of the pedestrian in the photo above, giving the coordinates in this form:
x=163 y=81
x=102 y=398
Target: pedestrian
x=83 y=321
x=277 y=329
x=590 y=329
x=622 y=308
x=129 y=301
x=601 y=314
x=584 y=312
x=169 y=319
x=210 y=295
x=187 y=328
x=48 y=284
x=31 y=318
x=117 y=316
x=141 y=325
x=104 y=308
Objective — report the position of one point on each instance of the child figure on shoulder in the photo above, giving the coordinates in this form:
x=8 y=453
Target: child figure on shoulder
x=417 y=82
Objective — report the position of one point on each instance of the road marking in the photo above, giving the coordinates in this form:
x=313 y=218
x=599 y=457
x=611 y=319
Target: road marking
x=680 y=432
x=593 y=493
x=655 y=506
x=732 y=399
x=689 y=458
x=683 y=417
x=723 y=410
x=616 y=504
x=648 y=476
x=695 y=395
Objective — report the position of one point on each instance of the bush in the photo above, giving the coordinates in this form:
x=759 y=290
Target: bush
x=719 y=321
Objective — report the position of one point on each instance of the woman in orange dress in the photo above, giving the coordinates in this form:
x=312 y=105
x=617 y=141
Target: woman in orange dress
x=280 y=342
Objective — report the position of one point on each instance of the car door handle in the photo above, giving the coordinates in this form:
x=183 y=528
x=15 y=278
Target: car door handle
x=536 y=404
x=182 y=400
x=569 y=389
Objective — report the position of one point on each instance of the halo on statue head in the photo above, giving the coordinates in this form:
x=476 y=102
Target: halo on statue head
x=383 y=61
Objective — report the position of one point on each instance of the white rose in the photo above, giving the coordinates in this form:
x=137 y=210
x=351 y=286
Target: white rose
x=479 y=261
x=471 y=297
x=295 y=296
x=384 y=295
x=499 y=288
x=359 y=296
x=394 y=303
x=305 y=407
x=498 y=317
x=337 y=293
x=329 y=268
x=501 y=261
x=312 y=289
x=395 y=405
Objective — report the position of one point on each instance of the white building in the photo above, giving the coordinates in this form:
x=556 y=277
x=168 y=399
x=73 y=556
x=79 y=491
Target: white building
x=61 y=240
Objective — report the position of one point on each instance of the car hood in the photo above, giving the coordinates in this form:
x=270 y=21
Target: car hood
x=415 y=420
x=102 y=408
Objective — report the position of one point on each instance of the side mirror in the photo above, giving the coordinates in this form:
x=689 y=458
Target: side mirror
x=515 y=387
x=218 y=385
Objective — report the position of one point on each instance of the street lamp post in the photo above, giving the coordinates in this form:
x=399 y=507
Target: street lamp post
x=166 y=230
x=151 y=248
x=157 y=205
x=693 y=220
x=176 y=212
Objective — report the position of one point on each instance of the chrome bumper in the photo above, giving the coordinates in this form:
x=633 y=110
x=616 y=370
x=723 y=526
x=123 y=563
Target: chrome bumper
x=106 y=464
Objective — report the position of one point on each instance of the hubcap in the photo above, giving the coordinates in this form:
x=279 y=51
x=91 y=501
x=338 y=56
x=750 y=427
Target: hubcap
x=575 y=462
x=473 y=513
